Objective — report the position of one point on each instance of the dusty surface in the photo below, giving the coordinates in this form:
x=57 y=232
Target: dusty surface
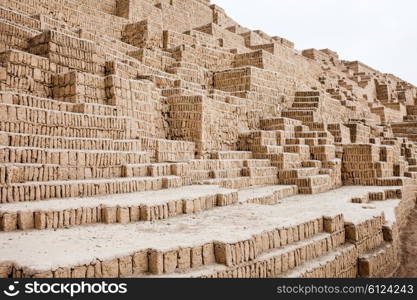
x=46 y=249
x=408 y=266
x=124 y=200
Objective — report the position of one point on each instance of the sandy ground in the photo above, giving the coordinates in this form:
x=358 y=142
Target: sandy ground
x=408 y=268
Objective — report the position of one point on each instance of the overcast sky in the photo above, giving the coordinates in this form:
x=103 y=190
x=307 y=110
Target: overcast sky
x=380 y=33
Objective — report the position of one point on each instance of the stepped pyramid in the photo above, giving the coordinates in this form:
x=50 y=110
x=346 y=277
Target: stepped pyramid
x=159 y=138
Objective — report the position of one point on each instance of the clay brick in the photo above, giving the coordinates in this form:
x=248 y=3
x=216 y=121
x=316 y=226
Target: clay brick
x=110 y=268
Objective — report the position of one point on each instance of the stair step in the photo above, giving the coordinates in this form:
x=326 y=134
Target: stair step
x=298 y=173
x=305 y=105
x=260 y=171
x=122 y=208
x=268 y=195
x=369 y=265
x=134 y=245
x=36 y=191
x=242 y=182
x=244 y=155
x=312 y=164
x=272 y=264
x=71 y=158
x=69 y=143
x=342 y=257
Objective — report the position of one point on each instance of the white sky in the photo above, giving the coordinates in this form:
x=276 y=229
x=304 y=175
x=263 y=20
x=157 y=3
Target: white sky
x=380 y=33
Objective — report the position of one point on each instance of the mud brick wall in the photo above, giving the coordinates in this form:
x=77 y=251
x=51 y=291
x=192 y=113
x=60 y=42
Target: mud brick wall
x=362 y=163
x=211 y=124
x=73 y=13
x=169 y=151
x=340 y=133
x=13 y=36
x=236 y=254
x=107 y=6
x=266 y=88
x=185 y=119
x=144 y=34
x=379 y=264
x=333 y=111
x=252 y=38
x=199 y=11
x=78 y=87
x=175 y=17
x=19 y=19
x=220 y=126
x=203 y=56
x=220 y=17
x=21 y=71
x=138 y=10
x=359 y=133
x=67 y=51
x=153 y=58
x=138 y=99
x=172 y=39
x=367 y=235
x=229 y=39
x=264 y=60
x=388 y=115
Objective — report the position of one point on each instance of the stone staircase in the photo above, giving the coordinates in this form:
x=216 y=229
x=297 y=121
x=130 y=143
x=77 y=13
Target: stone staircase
x=146 y=139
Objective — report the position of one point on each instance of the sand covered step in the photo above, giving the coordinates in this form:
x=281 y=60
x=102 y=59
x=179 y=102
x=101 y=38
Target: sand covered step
x=35 y=191
x=339 y=263
x=174 y=245
x=81 y=132
x=274 y=263
x=70 y=143
x=123 y=208
x=268 y=195
x=107 y=250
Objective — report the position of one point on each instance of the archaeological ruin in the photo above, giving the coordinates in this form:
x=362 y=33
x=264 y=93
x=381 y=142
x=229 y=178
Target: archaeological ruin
x=159 y=138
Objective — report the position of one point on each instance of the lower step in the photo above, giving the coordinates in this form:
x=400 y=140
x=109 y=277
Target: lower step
x=124 y=208
x=242 y=182
x=35 y=191
x=379 y=262
x=340 y=263
x=268 y=195
x=276 y=263
x=144 y=247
